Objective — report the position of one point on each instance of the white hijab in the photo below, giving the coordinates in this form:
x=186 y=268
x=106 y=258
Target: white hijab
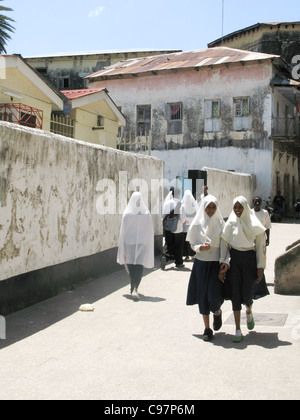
x=205 y=229
x=189 y=205
x=241 y=232
x=136 y=242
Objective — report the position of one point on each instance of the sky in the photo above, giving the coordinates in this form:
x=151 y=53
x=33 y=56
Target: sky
x=62 y=26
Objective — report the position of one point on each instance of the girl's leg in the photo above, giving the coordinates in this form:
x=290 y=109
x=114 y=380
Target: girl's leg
x=208 y=333
x=238 y=333
x=206 y=321
x=250 y=318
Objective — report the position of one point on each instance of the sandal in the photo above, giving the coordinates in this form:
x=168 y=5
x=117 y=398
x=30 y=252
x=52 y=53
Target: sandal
x=238 y=337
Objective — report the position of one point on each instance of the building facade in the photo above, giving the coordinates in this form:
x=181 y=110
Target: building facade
x=281 y=38
x=219 y=108
x=67 y=71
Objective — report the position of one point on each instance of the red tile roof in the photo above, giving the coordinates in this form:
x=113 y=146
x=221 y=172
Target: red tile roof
x=78 y=93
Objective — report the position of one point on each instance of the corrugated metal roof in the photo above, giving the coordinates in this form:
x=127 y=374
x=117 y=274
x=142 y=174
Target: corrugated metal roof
x=102 y=52
x=181 y=60
x=78 y=93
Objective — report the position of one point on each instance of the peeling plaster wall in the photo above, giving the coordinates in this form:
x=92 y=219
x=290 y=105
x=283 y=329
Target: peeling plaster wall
x=48 y=198
x=192 y=88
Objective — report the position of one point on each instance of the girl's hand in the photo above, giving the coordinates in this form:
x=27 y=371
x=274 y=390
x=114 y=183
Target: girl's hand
x=223 y=270
x=260 y=274
x=205 y=247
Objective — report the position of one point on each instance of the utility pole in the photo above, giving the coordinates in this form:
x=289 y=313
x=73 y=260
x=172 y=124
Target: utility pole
x=223 y=8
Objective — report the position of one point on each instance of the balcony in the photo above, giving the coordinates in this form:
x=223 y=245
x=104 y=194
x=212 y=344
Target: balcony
x=21 y=114
x=287 y=128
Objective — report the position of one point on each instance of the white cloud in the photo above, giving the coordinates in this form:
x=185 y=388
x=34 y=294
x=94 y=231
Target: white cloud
x=96 y=12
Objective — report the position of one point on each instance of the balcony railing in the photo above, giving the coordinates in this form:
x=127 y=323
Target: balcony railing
x=21 y=114
x=285 y=127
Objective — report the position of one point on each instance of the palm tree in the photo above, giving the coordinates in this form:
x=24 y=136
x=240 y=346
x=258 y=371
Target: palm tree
x=5 y=28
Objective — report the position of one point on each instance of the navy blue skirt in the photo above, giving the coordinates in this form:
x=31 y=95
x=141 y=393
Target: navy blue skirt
x=205 y=289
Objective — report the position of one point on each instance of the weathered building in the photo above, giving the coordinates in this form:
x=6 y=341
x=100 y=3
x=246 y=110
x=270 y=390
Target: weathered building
x=221 y=107
x=281 y=38
x=66 y=70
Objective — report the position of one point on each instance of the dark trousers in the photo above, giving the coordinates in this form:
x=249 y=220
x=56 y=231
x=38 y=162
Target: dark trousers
x=175 y=243
x=241 y=278
x=136 y=274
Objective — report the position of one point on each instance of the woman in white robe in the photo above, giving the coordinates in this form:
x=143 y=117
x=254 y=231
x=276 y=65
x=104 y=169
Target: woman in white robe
x=136 y=242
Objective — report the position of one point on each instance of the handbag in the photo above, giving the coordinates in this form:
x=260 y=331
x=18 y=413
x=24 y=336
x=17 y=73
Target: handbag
x=170 y=221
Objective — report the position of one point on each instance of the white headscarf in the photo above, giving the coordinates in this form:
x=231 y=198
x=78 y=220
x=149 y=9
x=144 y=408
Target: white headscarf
x=205 y=229
x=189 y=205
x=241 y=232
x=136 y=242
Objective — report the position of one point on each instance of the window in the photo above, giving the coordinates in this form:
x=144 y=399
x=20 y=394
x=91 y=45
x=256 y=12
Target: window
x=241 y=107
x=173 y=115
x=212 y=115
x=241 y=114
x=28 y=120
x=143 y=120
x=63 y=83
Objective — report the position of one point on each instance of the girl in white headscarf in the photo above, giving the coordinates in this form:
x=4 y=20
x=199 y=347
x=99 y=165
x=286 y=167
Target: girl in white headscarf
x=136 y=242
x=205 y=287
x=190 y=208
x=243 y=234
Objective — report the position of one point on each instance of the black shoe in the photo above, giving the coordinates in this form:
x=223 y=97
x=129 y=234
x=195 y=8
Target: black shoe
x=218 y=322
x=208 y=334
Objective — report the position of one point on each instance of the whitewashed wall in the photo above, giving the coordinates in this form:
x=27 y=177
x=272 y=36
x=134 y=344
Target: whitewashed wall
x=247 y=161
x=48 y=197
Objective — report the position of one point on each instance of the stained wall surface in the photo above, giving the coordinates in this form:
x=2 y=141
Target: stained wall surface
x=62 y=199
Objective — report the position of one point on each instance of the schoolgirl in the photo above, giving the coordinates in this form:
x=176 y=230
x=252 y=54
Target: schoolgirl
x=243 y=234
x=205 y=288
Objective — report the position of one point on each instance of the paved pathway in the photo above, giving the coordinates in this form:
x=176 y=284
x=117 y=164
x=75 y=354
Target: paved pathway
x=151 y=349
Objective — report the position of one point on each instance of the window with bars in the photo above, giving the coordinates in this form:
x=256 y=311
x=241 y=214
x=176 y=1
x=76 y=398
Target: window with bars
x=143 y=124
x=212 y=115
x=241 y=107
x=174 y=116
x=241 y=114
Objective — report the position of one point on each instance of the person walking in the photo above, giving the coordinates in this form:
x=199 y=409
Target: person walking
x=189 y=206
x=173 y=220
x=136 y=241
x=205 y=288
x=243 y=234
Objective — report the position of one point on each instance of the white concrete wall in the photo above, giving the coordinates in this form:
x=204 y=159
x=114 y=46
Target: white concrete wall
x=247 y=161
x=228 y=185
x=48 y=197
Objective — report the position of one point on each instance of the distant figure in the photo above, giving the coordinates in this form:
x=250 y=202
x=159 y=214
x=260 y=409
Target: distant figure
x=136 y=242
x=297 y=208
x=263 y=216
x=173 y=219
x=278 y=202
x=190 y=208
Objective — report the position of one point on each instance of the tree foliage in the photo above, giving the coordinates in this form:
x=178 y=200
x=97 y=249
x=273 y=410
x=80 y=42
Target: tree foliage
x=5 y=27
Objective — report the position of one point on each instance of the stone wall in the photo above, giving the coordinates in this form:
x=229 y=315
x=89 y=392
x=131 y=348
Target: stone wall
x=50 y=189
x=287 y=271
